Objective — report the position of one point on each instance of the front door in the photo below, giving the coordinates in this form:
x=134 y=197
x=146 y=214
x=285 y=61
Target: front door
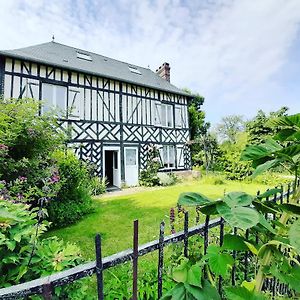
x=131 y=166
x=112 y=166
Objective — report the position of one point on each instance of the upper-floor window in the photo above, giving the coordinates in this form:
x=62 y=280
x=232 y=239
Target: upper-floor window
x=178 y=116
x=84 y=56
x=167 y=115
x=54 y=96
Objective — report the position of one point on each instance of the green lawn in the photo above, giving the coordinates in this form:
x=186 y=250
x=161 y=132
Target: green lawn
x=113 y=216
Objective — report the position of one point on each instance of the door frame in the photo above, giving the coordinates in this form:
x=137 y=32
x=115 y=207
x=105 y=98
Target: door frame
x=135 y=147
x=117 y=149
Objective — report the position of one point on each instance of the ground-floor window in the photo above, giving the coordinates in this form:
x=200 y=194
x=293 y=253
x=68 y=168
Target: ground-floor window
x=168 y=156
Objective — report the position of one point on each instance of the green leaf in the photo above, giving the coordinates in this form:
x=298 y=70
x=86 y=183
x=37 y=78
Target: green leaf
x=291 y=208
x=207 y=292
x=266 y=206
x=191 y=199
x=234 y=242
x=237 y=199
x=194 y=275
x=240 y=217
x=285 y=121
x=294 y=235
x=252 y=248
x=218 y=261
x=287 y=135
x=241 y=293
x=210 y=209
x=269 y=193
x=265 y=166
x=266 y=224
x=180 y=273
x=6 y=216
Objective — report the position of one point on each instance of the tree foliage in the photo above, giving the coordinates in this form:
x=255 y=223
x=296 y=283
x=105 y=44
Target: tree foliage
x=259 y=128
x=229 y=127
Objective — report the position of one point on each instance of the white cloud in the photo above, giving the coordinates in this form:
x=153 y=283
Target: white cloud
x=229 y=51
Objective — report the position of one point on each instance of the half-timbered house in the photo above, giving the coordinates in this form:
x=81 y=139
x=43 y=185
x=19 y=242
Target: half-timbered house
x=113 y=110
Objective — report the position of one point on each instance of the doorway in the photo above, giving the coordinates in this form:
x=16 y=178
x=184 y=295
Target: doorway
x=112 y=167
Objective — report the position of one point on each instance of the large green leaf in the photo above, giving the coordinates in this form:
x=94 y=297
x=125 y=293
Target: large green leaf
x=294 y=235
x=234 y=242
x=6 y=216
x=266 y=224
x=240 y=217
x=269 y=193
x=289 y=152
x=191 y=199
x=218 y=261
x=238 y=199
x=291 y=208
x=207 y=292
x=265 y=166
x=194 y=275
x=180 y=273
x=210 y=209
x=288 y=134
x=286 y=121
x=241 y=293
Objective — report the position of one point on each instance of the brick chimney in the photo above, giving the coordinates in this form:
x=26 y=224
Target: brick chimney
x=164 y=71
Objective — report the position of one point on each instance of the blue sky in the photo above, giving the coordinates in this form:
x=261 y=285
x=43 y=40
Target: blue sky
x=241 y=55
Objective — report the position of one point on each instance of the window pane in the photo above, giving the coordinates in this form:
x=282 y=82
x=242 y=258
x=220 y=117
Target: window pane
x=61 y=93
x=165 y=156
x=171 y=156
x=177 y=116
x=163 y=115
x=170 y=116
x=131 y=157
x=48 y=99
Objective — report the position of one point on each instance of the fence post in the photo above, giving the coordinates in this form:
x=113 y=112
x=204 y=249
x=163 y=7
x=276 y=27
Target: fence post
x=288 y=193
x=206 y=233
x=160 y=258
x=281 y=195
x=47 y=291
x=99 y=267
x=234 y=257
x=221 y=244
x=186 y=231
x=135 y=259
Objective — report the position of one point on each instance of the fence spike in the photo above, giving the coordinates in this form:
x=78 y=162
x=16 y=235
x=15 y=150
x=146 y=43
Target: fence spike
x=135 y=259
x=99 y=267
x=186 y=232
x=47 y=291
x=160 y=259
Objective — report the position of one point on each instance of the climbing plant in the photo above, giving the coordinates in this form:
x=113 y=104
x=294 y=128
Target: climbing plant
x=275 y=250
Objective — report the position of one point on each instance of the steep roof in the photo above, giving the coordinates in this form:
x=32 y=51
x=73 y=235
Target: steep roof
x=64 y=56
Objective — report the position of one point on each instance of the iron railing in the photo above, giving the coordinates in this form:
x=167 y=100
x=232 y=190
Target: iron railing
x=45 y=286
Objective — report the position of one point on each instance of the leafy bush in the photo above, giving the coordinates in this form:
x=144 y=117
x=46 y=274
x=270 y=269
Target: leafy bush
x=25 y=256
x=166 y=179
x=26 y=143
x=73 y=199
x=149 y=177
x=215 y=179
x=97 y=185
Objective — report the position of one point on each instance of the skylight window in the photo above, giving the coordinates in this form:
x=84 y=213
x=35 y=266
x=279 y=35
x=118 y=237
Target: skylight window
x=84 y=56
x=134 y=70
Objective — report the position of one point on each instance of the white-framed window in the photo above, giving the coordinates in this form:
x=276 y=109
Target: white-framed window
x=178 y=116
x=54 y=96
x=168 y=156
x=74 y=103
x=167 y=115
x=157 y=114
x=180 y=156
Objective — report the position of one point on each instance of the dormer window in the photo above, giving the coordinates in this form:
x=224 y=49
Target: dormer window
x=134 y=70
x=84 y=56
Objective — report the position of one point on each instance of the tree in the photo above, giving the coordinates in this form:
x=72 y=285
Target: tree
x=258 y=128
x=229 y=127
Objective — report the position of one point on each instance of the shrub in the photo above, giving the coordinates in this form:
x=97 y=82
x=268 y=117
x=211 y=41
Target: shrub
x=97 y=185
x=73 y=199
x=148 y=177
x=213 y=179
x=25 y=256
x=26 y=142
x=166 y=179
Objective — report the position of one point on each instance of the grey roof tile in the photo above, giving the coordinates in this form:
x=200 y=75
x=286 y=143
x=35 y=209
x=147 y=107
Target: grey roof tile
x=64 y=56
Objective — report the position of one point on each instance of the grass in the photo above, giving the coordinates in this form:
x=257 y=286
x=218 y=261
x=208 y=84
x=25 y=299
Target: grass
x=113 y=216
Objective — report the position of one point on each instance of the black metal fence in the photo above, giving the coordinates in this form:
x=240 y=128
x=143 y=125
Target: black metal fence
x=45 y=285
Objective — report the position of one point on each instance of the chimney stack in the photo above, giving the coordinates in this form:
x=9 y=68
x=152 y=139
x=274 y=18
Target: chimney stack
x=164 y=71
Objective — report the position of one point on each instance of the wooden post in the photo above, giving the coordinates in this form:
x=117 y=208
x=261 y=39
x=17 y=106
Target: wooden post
x=99 y=267
x=135 y=259
x=160 y=259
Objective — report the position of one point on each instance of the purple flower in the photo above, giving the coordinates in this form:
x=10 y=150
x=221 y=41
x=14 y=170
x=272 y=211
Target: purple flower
x=22 y=179
x=3 y=147
x=55 y=177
